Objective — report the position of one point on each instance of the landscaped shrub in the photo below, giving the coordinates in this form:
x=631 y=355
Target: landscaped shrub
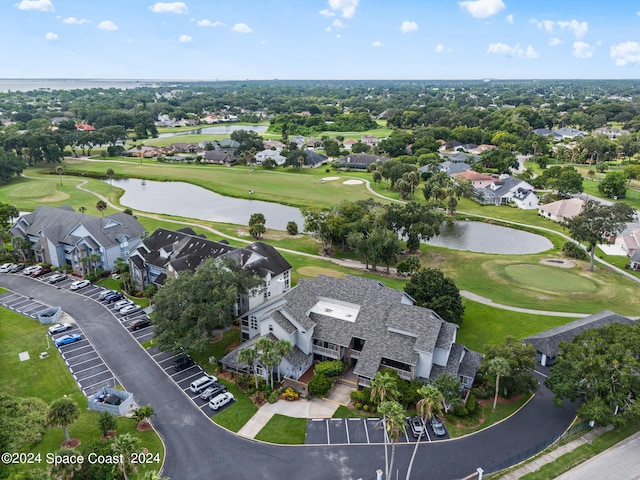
x=290 y=394
x=272 y=397
x=365 y=408
x=260 y=398
x=372 y=409
x=472 y=404
x=292 y=228
x=460 y=411
x=245 y=382
x=329 y=368
x=573 y=250
x=358 y=406
x=319 y=385
x=357 y=396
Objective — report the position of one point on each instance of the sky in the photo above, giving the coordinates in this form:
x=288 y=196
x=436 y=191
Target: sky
x=320 y=39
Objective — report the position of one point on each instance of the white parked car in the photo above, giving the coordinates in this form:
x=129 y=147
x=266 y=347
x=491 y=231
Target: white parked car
x=78 y=284
x=5 y=267
x=129 y=309
x=221 y=400
x=120 y=304
x=60 y=327
x=30 y=270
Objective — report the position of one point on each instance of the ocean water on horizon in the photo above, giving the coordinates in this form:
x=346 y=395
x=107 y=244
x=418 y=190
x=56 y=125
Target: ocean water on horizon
x=28 y=84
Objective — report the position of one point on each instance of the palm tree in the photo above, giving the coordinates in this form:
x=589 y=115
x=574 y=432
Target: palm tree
x=110 y=174
x=430 y=404
x=249 y=356
x=393 y=416
x=95 y=258
x=82 y=209
x=60 y=172
x=63 y=413
x=3 y=235
x=283 y=347
x=65 y=470
x=124 y=446
x=383 y=387
x=101 y=206
x=143 y=414
x=499 y=367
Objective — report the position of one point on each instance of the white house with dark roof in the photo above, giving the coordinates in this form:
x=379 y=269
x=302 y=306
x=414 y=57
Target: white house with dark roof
x=363 y=323
x=547 y=343
x=166 y=253
x=508 y=190
x=62 y=236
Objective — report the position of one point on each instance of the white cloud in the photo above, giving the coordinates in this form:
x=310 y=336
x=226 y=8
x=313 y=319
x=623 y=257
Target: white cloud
x=515 y=51
x=174 y=7
x=377 y=43
x=328 y=29
x=625 y=53
x=51 y=36
x=75 y=21
x=42 y=5
x=107 y=25
x=582 y=50
x=346 y=7
x=579 y=29
x=209 y=23
x=338 y=36
x=482 y=8
x=242 y=28
x=185 y=39
x=509 y=18
x=407 y=27
x=327 y=13
x=338 y=24
x=439 y=48
x=555 y=41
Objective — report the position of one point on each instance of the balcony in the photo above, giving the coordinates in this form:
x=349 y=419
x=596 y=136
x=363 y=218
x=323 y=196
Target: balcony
x=327 y=352
x=403 y=374
x=355 y=354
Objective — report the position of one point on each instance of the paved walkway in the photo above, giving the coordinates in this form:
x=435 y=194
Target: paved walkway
x=553 y=455
x=488 y=301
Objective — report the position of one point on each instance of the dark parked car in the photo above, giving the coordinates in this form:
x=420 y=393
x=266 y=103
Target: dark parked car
x=113 y=297
x=213 y=391
x=182 y=362
x=41 y=271
x=142 y=323
x=17 y=267
x=438 y=426
x=105 y=293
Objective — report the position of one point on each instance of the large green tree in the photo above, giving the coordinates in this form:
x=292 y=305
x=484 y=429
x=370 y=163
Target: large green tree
x=601 y=368
x=499 y=367
x=598 y=222
x=569 y=182
x=10 y=166
x=522 y=360
x=431 y=289
x=190 y=307
x=22 y=422
x=63 y=413
x=614 y=185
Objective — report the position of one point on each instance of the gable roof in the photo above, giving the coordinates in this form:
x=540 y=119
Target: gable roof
x=567 y=208
x=547 y=342
x=473 y=176
x=363 y=159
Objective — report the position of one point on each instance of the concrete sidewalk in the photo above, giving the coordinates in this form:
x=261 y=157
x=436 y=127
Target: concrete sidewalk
x=553 y=455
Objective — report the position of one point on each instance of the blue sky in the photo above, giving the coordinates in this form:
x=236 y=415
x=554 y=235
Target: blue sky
x=320 y=39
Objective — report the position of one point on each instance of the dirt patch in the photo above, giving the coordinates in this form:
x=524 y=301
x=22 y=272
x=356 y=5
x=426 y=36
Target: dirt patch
x=144 y=426
x=72 y=443
x=558 y=262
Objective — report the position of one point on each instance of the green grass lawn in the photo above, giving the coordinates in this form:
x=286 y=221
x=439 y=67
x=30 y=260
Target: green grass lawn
x=283 y=430
x=238 y=413
x=50 y=379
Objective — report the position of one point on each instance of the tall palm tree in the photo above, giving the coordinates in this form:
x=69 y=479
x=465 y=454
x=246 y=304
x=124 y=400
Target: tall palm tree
x=143 y=414
x=124 y=446
x=499 y=367
x=110 y=174
x=264 y=346
x=283 y=347
x=95 y=258
x=249 y=356
x=430 y=404
x=60 y=172
x=101 y=206
x=82 y=209
x=393 y=416
x=65 y=470
x=63 y=413
x=383 y=387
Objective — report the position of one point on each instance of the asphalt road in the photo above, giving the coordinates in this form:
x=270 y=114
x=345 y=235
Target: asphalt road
x=196 y=448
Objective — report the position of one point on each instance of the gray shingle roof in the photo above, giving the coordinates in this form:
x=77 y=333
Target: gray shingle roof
x=547 y=342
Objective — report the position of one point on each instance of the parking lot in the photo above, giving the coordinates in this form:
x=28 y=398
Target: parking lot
x=346 y=431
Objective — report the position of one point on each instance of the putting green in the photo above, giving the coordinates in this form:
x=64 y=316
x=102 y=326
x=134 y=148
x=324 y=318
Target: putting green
x=548 y=279
x=40 y=191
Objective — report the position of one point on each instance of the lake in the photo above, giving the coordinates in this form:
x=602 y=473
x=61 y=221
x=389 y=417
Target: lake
x=217 y=130
x=486 y=238
x=185 y=200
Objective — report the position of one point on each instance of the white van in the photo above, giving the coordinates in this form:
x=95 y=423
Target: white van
x=221 y=400
x=203 y=382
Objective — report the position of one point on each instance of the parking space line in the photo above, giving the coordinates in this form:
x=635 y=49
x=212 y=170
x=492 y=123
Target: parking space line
x=366 y=430
x=326 y=422
x=80 y=363
x=75 y=349
x=112 y=379
x=91 y=376
x=88 y=368
x=346 y=427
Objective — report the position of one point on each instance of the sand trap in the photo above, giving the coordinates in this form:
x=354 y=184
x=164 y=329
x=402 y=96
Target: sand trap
x=328 y=179
x=353 y=182
x=558 y=262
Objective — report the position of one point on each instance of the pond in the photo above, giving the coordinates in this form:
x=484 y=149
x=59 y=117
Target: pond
x=219 y=130
x=185 y=200
x=486 y=238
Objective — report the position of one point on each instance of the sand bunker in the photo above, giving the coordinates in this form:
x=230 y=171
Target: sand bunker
x=328 y=179
x=353 y=182
x=558 y=262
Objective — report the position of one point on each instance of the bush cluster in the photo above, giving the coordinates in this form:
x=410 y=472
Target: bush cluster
x=319 y=385
x=330 y=368
x=573 y=250
x=290 y=394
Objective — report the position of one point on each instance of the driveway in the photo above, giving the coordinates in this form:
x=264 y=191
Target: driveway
x=196 y=448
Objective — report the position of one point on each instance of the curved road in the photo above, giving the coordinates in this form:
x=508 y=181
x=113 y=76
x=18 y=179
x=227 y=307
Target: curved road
x=196 y=448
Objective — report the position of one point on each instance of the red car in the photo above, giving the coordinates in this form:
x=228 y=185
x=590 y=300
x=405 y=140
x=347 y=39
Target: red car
x=41 y=271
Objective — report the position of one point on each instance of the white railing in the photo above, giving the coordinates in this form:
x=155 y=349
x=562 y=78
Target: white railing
x=327 y=352
x=355 y=354
x=403 y=374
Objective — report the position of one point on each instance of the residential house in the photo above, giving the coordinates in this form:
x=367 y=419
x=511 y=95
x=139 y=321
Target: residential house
x=629 y=239
x=62 y=236
x=478 y=180
x=612 y=133
x=547 y=343
x=228 y=146
x=635 y=260
x=145 y=151
x=360 y=161
x=451 y=168
x=370 y=140
x=166 y=253
x=361 y=322
x=562 y=210
x=313 y=142
x=273 y=144
x=298 y=140
x=84 y=127
x=568 y=133
x=348 y=143
x=182 y=147
x=314 y=159
x=274 y=155
x=459 y=157
x=508 y=190
x=219 y=157
x=481 y=148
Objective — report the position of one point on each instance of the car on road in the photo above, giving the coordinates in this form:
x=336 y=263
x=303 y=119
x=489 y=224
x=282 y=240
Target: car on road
x=56 y=277
x=139 y=324
x=129 y=309
x=221 y=400
x=416 y=426
x=78 y=284
x=67 y=339
x=41 y=271
x=105 y=293
x=213 y=391
x=113 y=297
x=182 y=363
x=122 y=303
x=60 y=327
x=438 y=426
x=17 y=267
x=202 y=383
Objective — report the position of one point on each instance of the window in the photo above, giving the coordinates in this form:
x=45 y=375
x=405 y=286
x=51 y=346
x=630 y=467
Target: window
x=254 y=323
x=270 y=328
